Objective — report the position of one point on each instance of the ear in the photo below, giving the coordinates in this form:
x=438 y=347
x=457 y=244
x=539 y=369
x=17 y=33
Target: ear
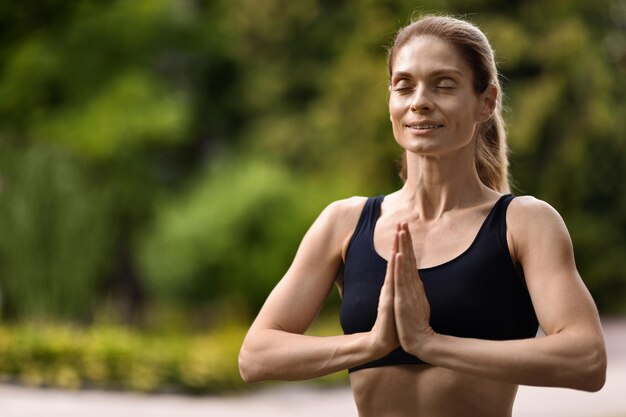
x=488 y=101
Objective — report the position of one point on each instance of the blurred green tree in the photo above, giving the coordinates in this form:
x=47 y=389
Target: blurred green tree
x=209 y=133
x=54 y=238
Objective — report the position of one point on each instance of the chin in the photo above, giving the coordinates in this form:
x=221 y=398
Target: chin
x=433 y=147
x=425 y=149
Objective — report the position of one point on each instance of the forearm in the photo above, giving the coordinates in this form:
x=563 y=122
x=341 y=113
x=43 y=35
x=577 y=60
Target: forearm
x=278 y=355
x=559 y=360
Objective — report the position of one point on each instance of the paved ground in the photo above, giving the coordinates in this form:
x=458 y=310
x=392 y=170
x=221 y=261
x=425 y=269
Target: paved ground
x=303 y=401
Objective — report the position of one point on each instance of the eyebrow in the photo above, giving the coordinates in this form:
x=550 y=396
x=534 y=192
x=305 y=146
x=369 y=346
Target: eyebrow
x=435 y=73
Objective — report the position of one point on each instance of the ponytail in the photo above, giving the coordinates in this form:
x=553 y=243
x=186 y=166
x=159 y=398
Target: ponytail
x=491 y=153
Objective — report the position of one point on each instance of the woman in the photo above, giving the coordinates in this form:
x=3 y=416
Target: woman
x=446 y=280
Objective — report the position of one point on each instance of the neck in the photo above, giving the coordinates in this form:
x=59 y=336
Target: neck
x=439 y=183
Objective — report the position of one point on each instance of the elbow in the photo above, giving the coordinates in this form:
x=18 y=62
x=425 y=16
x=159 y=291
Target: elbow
x=594 y=382
x=249 y=368
x=592 y=376
x=246 y=368
x=597 y=373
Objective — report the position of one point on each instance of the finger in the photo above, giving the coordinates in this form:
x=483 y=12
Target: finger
x=409 y=243
x=407 y=270
x=388 y=283
x=410 y=260
x=403 y=243
x=400 y=259
x=399 y=273
x=406 y=263
x=403 y=287
x=395 y=246
x=392 y=277
x=397 y=282
x=386 y=298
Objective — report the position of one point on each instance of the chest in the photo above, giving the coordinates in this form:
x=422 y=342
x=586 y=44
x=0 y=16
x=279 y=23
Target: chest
x=434 y=243
x=474 y=290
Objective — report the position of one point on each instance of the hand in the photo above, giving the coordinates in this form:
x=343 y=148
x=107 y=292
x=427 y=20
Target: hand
x=384 y=334
x=411 y=307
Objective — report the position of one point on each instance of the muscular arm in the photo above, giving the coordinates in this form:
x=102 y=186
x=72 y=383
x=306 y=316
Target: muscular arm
x=275 y=347
x=572 y=354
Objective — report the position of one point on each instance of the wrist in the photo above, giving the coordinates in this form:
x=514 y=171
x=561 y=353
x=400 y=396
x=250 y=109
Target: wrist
x=375 y=347
x=425 y=347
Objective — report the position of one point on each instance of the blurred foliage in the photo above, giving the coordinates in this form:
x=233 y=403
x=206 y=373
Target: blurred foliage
x=174 y=152
x=108 y=356
x=49 y=265
x=195 y=252
x=112 y=357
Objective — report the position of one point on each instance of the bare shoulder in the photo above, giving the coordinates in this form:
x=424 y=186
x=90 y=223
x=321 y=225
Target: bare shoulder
x=533 y=223
x=526 y=211
x=336 y=223
x=342 y=213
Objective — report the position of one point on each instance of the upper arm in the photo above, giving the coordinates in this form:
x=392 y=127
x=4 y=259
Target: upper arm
x=543 y=247
x=298 y=297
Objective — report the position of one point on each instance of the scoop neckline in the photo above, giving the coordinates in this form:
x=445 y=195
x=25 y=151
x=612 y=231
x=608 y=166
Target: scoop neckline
x=458 y=257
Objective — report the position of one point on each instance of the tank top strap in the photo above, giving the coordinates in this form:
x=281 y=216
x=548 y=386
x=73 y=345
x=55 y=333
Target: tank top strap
x=495 y=224
x=373 y=212
x=367 y=221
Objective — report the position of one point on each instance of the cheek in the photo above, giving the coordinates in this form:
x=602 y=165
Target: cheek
x=462 y=113
x=396 y=109
x=395 y=116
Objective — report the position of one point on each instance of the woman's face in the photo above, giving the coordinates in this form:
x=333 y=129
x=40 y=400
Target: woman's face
x=432 y=104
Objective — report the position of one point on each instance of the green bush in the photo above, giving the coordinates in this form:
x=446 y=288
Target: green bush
x=232 y=235
x=113 y=357
x=54 y=238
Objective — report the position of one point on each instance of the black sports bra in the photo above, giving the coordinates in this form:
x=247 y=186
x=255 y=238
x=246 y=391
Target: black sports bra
x=479 y=294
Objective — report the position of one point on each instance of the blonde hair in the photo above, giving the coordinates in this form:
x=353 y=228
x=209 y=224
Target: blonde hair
x=490 y=151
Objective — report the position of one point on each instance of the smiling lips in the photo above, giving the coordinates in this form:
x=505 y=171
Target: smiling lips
x=424 y=126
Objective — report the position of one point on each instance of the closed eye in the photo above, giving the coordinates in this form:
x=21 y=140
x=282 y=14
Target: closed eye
x=402 y=89
x=401 y=82
x=446 y=84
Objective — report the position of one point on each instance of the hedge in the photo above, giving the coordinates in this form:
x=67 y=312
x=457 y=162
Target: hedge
x=114 y=357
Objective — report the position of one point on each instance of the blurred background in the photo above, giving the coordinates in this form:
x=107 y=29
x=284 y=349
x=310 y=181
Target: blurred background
x=160 y=161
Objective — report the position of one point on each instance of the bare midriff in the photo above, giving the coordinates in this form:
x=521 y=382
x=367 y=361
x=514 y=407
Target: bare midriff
x=428 y=391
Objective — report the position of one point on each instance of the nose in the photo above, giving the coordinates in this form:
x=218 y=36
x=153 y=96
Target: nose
x=421 y=101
